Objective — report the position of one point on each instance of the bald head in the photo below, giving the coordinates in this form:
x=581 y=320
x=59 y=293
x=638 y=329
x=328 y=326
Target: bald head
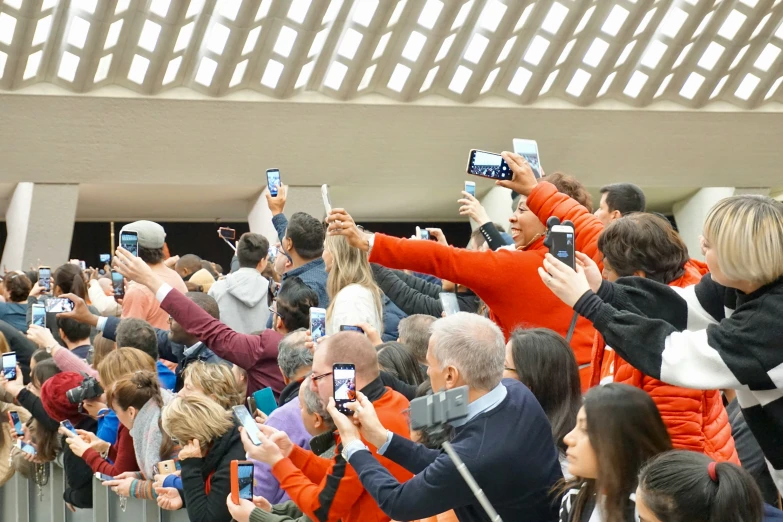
x=354 y=348
x=106 y=285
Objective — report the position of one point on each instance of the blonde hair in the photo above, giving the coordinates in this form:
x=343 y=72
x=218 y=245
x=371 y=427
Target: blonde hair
x=122 y=362
x=4 y=346
x=747 y=235
x=349 y=266
x=215 y=381
x=196 y=417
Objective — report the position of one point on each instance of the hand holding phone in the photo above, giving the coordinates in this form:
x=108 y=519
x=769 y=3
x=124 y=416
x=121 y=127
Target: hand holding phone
x=449 y=303
x=325 y=197
x=488 y=165
x=39 y=315
x=351 y=328
x=118 y=284
x=45 y=278
x=273 y=182
x=16 y=423
x=422 y=233
x=68 y=426
x=470 y=188
x=247 y=422
x=103 y=477
x=317 y=323
x=242 y=480
x=130 y=241
x=562 y=244
x=9 y=366
x=265 y=401
x=528 y=149
x=344 y=386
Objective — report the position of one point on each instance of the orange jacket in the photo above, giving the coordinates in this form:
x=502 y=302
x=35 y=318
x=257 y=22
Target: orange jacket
x=329 y=489
x=507 y=280
x=696 y=419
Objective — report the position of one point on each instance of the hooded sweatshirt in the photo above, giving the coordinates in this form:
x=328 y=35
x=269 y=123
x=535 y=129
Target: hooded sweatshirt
x=242 y=298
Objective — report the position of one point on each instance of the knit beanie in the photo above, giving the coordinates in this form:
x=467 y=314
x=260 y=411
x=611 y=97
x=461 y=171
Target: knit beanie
x=54 y=401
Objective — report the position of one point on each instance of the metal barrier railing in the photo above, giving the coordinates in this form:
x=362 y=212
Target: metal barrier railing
x=20 y=501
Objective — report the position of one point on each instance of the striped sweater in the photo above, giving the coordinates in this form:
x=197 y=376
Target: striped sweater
x=704 y=336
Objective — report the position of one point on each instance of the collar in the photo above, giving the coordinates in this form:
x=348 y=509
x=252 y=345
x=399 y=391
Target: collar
x=190 y=350
x=312 y=265
x=320 y=443
x=290 y=392
x=375 y=389
x=483 y=404
x=82 y=351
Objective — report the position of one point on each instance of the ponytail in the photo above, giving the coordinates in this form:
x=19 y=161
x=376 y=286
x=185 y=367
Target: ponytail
x=70 y=279
x=683 y=486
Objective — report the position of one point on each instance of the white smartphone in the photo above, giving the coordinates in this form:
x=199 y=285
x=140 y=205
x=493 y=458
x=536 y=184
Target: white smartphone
x=528 y=149
x=449 y=303
x=317 y=323
x=422 y=233
x=470 y=188
x=325 y=197
x=562 y=244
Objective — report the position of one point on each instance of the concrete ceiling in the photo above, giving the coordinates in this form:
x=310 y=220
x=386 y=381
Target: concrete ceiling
x=187 y=149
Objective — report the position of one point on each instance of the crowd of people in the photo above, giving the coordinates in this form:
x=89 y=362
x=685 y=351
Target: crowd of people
x=641 y=384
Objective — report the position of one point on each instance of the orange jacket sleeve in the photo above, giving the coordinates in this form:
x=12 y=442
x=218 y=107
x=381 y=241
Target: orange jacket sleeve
x=546 y=202
x=313 y=466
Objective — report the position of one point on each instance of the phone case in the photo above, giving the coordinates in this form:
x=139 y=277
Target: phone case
x=265 y=401
x=235 y=486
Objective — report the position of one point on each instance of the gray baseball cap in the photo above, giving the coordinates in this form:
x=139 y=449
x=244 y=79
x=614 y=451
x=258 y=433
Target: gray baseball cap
x=151 y=235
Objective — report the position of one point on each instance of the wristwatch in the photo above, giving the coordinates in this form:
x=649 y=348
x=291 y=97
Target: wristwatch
x=351 y=448
x=50 y=348
x=370 y=243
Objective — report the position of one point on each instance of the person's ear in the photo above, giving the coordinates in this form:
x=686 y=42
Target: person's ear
x=261 y=266
x=616 y=214
x=319 y=421
x=452 y=377
x=640 y=273
x=286 y=380
x=278 y=323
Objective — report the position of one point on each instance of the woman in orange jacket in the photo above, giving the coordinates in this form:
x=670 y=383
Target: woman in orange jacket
x=645 y=245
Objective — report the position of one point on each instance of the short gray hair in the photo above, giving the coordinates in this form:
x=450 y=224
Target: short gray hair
x=313 y=404
x=292 y=355
x=415 y=331
x=472 y=344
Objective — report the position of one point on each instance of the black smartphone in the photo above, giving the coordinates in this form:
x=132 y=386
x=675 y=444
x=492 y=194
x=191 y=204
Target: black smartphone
x=249 y=423
x=488 y=165
x=45 y=278
x=351 y=328
x=227 y=233
x=39 y=315
x=118 y=284
x=16 y=422
x=273 y=181
x=562 y=244
x=9 y=366
x=344 y=382
x=130 y=242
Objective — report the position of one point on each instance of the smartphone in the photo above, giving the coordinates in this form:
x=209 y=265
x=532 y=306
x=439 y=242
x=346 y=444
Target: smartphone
x=317 y=323
x=273 y=181
x=130 y=242
x=488 y=165
x=105 y=259
x=103 y=477
x=39 y=315
x=27 y=448
x=344 y=381
x=528 y=149
x=241 y=480
x=16 y=422
x=118 y=284
x=423 y=233
x=9 y=365
x=227 y=233
x=325 y=197
x=59 y=305
x=251 y=405
x=350 y=328
x=470 y=188
x=68 y=426
x=45 y=278
x=272 y=255
x=449 y=303
x=82 y=265
x=248 y=422
x=562 y=244
x=265 y=401
x=168 y=467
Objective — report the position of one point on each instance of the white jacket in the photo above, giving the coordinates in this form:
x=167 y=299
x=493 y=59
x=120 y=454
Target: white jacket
x=353 y=305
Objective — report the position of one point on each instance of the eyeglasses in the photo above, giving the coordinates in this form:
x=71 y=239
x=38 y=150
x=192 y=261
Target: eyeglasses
x=510 y=369
x=274 y=311
x=316 y=378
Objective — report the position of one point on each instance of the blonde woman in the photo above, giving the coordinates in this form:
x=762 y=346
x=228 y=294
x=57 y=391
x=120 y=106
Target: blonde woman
x=215 y=381
x=210 y=441
x=724 y=332
x=354 y=296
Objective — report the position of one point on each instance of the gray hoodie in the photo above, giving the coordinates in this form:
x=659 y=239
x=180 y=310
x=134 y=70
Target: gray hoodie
x=242 y=298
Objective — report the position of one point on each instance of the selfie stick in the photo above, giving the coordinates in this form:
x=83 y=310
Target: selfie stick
x=472 y=484
x=229 y=244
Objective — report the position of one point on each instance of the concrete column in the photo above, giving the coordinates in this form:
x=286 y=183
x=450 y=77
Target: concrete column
x=299 y=199
x=499 y=205
x=40 y=221
x=691 y=213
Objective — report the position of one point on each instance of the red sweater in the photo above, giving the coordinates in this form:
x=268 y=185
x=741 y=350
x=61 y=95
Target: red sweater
x=508 y=281
x=122 y=454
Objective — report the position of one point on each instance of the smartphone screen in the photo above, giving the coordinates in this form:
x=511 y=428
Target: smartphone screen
x=103 y=477
x=59 y=305
x=470 y=188
x=350 y=328
x=317 y=323
x=273 y=181
x=68 y=426
x=118 y=284
x=344 y=379
x=45 y=278
x=488 y=165
x=227 y=233
x=27 y=448
x=423 y=233
x=563 y=245
x=130 y=242
x=39 y=315
x=9 y=365
x=528 y=149
x=105 y=259
x=16 y=422
x=449 y=303
x=248 y=422
x=245 y=479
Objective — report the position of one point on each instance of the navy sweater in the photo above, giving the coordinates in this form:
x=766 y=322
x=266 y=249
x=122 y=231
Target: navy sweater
x=509 y=450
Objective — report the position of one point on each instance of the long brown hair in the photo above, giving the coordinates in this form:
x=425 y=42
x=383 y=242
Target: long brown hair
x=136 y=390
x=625 y=431
x=69 y=278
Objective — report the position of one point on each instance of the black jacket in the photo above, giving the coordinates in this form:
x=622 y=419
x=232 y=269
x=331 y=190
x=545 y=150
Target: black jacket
x=23 y=347
x=78 y=474
x=414 y=295
x=289 y=393
x=33 y=404
x=203 y=507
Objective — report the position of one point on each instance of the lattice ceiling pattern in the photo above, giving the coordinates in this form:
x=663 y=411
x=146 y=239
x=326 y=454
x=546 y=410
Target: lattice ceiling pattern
x=691 y=52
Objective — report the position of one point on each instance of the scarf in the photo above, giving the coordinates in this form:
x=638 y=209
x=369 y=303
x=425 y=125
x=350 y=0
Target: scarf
x=146 y=434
